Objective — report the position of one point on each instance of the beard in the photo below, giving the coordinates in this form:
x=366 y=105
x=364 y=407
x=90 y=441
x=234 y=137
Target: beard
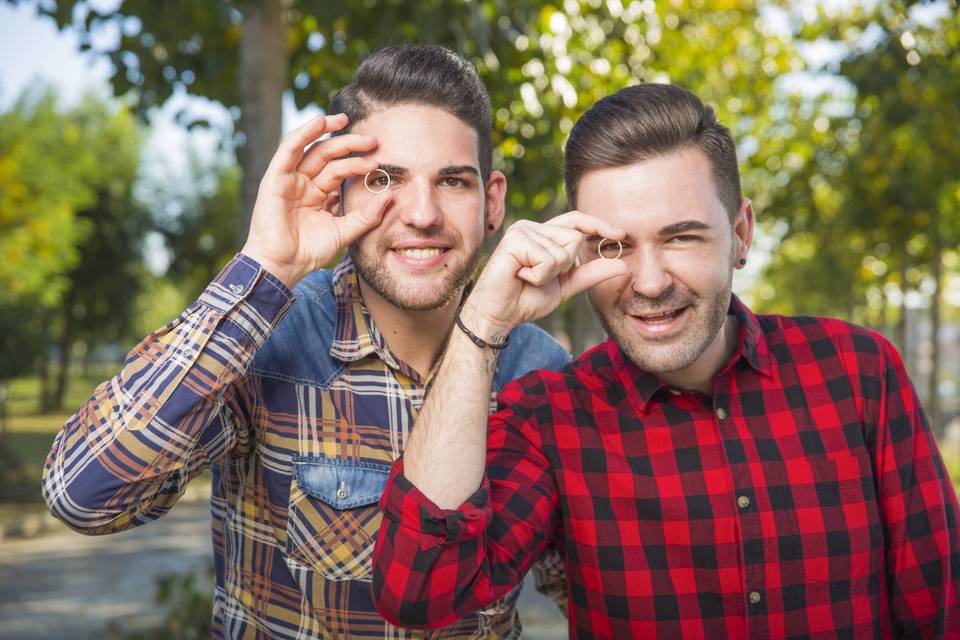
x=411 y=292
x=673 y=353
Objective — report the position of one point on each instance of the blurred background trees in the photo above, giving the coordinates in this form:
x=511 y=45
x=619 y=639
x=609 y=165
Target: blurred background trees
x=842 y=111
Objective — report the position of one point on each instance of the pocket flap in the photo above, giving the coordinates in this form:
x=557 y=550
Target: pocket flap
x=342 y=484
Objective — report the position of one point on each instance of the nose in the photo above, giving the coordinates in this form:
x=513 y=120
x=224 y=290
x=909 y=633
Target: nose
x=419 y=207
x=650 y=276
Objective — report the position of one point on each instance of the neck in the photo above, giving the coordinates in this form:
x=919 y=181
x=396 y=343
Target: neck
x=699 y=375
x=416 y=337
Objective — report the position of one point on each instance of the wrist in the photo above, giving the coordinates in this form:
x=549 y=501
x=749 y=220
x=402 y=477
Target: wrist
x=287 y=274
x=483 y=325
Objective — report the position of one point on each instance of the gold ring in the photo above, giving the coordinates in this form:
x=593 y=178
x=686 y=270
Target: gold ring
x=366 y=184
x=619 y=249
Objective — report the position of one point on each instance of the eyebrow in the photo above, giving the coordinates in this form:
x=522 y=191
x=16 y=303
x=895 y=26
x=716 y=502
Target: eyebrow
x=669 y=230
x=393 y=169
x=454 y=170
x=684 y=226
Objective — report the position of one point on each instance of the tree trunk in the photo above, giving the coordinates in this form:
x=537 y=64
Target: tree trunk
x=901 y=339
x=263 y=73
x=43 y=402
x=4 y=395
x=933 y=394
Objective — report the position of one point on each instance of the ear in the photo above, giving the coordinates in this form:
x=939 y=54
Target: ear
x=495 y=193
x=742 y=232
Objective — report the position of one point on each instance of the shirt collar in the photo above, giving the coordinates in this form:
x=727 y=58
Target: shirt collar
x=641 y=385
x=355 y=335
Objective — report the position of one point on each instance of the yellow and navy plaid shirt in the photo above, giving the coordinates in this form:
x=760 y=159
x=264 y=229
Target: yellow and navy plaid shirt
x=299 y=408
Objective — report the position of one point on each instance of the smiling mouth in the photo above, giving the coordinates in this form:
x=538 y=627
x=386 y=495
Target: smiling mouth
x=660 y=318
x=420 y=254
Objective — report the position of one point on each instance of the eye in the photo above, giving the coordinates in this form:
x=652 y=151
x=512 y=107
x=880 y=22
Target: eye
x=454 y=182
x=683 y=239
x=611 y=249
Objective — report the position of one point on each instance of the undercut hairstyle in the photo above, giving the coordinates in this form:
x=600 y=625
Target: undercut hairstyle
x=648 y=121
x=420 y=74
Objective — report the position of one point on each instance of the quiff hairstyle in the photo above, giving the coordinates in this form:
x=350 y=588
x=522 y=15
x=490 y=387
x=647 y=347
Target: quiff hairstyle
x=647 y=121
x=423 y=74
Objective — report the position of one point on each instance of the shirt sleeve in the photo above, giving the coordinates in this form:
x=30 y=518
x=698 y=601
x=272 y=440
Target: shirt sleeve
x=918 y=505
x=177 y=405
x=432 y=566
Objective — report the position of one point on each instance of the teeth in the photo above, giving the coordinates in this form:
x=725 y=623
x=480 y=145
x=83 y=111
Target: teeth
x=659 y=317
x=419 y=254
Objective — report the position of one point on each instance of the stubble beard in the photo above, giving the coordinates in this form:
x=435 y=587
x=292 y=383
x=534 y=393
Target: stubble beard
x=414 y=294
x=674 y=353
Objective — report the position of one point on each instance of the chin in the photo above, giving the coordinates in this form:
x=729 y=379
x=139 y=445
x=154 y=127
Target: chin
x=418 y=296
x=658 y=361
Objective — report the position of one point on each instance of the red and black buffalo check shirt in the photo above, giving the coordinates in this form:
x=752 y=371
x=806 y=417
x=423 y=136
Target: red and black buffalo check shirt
x=804 y=498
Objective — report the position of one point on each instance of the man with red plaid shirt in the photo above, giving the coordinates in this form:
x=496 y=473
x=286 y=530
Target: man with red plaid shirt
x=707 y=470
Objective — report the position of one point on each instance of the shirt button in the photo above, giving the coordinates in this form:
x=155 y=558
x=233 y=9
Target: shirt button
x=721 y=413
x=236 y=288
x=754 y=597
x=342 y=493
x=743 y=502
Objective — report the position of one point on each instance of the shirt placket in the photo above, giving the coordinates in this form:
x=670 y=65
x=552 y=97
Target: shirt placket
x=744 y=495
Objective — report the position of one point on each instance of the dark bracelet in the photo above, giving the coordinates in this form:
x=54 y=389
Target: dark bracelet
x=477 y=340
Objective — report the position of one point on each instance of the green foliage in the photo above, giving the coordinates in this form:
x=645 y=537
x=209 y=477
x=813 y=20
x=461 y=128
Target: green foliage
x=188 y=605
x=159 y=301
x=21 y=339
x=58 y=168
x=43 y=182
x=950 y=452
x=542 y=63
x=871 y=186
x=70 y=229
x=198 y=219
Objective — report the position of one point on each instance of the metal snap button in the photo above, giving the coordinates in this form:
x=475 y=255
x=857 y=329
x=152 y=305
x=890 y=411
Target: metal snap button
x=342 y=493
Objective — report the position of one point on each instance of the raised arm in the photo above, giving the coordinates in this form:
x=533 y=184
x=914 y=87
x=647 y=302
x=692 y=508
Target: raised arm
x=179 y=402
x=527 y=277
x=434 y=560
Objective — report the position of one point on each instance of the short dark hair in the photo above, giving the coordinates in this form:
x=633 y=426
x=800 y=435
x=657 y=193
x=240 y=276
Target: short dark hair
x=646 y=121
x=424 y=74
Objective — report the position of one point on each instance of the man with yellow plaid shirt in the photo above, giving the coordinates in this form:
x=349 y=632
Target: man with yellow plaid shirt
x=297 y=386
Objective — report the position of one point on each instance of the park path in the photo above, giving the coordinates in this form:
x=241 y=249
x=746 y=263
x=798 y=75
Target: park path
x=65 y=585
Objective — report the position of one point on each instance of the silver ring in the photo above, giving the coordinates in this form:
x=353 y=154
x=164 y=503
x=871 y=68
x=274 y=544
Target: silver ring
x=366 y=184
x=619 y=249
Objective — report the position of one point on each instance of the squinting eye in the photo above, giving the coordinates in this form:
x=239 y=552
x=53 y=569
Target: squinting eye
x=684 y=239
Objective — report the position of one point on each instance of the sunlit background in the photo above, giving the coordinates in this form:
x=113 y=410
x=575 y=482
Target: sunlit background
x=133 y=136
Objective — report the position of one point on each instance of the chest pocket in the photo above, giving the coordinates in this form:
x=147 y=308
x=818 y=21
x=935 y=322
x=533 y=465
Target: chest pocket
x=333 y=515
